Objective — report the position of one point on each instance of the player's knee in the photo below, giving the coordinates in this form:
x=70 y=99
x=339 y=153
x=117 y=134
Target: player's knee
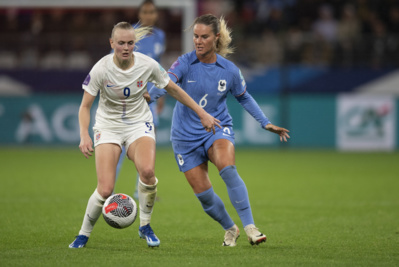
x=105 y=191
x=146 y=174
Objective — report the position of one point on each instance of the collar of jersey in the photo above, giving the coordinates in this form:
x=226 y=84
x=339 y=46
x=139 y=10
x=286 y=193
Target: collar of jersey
x=195 y=60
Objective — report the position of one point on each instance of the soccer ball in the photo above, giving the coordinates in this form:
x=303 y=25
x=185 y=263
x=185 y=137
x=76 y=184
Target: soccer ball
x=120 y=211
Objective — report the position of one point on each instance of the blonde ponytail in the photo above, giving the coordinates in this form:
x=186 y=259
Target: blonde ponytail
x=223 y=47
x=140 y=32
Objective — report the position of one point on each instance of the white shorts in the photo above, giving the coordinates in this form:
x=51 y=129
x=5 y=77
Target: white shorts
x=123 y=138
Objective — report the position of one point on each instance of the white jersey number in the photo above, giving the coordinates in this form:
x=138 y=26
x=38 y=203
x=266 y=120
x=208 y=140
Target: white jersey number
x=203 y=101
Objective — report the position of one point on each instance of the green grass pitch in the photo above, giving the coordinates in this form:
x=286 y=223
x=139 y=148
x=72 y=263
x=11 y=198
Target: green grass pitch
x=317 y=207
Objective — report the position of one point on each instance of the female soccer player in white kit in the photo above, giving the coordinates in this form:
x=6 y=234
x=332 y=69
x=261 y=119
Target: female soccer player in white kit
x=123 y=118
x=208 y=77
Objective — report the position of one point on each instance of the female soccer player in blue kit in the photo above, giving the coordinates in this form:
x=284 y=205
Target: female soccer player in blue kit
x=208 y=77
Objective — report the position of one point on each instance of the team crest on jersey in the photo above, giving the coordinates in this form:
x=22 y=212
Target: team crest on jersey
x=180 y=158
x=222 y=85
x=98 y=136
x=140 y=84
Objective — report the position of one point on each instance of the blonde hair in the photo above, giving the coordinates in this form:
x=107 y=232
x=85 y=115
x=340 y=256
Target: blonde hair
x=140 y=32
x=223 y=47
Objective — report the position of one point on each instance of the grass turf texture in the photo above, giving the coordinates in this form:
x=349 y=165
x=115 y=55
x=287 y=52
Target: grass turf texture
x=318 y=208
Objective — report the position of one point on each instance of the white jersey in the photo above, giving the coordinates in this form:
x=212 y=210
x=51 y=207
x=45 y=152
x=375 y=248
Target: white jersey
x=121 y=91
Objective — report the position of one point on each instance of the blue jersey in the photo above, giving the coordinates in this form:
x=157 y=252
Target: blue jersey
x=208 y=85
x=153 y=44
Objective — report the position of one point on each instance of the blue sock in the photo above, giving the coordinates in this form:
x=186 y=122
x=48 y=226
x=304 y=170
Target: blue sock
x=214 y=207
x=238 y=194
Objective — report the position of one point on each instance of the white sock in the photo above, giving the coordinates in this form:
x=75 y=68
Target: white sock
x=147 y=194
x=93 y=212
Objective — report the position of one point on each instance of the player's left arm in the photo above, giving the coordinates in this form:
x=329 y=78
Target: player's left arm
x=250 y=105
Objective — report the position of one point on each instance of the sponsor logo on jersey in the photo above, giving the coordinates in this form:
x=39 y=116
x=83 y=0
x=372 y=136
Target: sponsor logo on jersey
x=180 y=158
x=222 y=85
x=140 y=84
x=87 y=80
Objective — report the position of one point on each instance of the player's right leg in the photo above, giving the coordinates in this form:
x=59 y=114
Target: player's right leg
x=107 y=156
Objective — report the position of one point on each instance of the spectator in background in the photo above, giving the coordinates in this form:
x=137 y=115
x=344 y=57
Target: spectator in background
x=78 y=58
x=393 y=28
x=325 y=33
x=393 y=20
x=379 y=44
x=348 y=34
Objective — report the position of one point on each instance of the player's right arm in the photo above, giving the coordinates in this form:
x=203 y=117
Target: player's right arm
x=208 y=121
x=86 y=144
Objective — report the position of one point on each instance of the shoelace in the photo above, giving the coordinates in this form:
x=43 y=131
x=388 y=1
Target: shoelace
x=148 y=231
x=80 y=238
x=253 y=230
x=231 y=232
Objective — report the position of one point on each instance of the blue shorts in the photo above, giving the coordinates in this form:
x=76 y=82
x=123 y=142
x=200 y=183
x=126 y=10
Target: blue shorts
x=191 y=154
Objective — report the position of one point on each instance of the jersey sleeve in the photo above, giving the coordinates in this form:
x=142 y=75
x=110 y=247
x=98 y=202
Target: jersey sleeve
x=239 y=85
x=92 y=84
x=250 y=105
x=159 y=76
x=178 y=69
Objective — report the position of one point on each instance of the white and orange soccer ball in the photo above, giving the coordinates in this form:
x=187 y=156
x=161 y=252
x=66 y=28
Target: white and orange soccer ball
x=120 y=211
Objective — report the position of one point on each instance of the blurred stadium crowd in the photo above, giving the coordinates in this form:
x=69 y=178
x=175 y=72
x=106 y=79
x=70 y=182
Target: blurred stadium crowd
x=344 y=33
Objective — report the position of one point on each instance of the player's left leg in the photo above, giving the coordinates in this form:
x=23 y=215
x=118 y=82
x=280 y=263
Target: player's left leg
x=142 y=153
x=222 y=154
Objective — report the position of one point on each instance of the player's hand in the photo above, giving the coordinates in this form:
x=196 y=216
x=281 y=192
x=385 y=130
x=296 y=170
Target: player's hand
x=86 y=146
x=282 y=132
x=209 y=123
x=147 y=97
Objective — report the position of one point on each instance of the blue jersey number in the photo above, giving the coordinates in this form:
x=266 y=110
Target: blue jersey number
x=149 y=127
x=126 y=92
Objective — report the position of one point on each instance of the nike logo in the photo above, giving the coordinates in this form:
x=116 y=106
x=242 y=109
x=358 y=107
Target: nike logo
x=148 y=206
x=110 y=85
x=191 y=81
x=239 y=201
